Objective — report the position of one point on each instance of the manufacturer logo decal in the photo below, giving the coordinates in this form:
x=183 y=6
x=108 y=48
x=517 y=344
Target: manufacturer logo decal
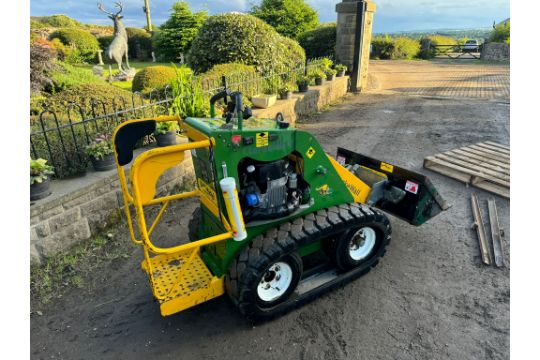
x=387 y=167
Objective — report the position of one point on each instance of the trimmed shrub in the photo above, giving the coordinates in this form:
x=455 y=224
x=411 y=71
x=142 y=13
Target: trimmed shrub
x=240 y=38
x=66 y=76
x=154 y=77
x=58 y=21
x=290 y=18
x=501 y=33
x=83 y=94
x=42 y=57
x=139 y=44
x=404 y=48
x=177 y=33
x=381 y=47
x=240 y=77
x=82 y=40
x=320 y=41
x=295 y=54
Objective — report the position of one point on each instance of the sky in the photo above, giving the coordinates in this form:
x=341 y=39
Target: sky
x=391 y=15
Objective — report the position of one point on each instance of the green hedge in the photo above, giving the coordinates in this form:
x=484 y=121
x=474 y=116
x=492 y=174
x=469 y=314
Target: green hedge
x=57 y=21
x=139 y=44
x=154 y=77
x=381 y=47
x=240 y=77
x=241 y=38
x=501 y=33
x=319 y=42
x=85 y=42
x=428 y=53
x=388 y=48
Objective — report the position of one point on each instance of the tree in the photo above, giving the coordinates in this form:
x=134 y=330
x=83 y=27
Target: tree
x=289 y=17
x=500 y=33
x=177 y=33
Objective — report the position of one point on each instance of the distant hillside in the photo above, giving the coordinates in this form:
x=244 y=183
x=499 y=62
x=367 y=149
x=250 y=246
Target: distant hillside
x=479 y=33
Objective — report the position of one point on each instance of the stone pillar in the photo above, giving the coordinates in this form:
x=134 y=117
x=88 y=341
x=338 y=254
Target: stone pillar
x=346 y=41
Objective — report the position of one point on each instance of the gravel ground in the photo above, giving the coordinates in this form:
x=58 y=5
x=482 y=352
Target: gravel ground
x=429 y=298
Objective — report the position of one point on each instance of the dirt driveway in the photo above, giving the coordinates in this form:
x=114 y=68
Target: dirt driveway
x=429 y=298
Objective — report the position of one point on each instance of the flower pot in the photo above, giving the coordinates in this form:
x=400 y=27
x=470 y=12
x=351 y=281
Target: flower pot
x=330 y=77
x=106 y=163
x=285 y=95
x=263 y=101
x=303 y=87
x=40 y=190
x=166 y=139
x=340 y=73
x=319 y=81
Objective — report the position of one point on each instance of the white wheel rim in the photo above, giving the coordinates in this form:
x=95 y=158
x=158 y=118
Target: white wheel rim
x=275 y=282
x=362 y=243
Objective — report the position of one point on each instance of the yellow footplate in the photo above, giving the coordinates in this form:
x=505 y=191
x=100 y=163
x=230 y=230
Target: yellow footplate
x=179 y=284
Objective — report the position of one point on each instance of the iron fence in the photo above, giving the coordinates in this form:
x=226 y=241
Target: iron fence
x=60 y=132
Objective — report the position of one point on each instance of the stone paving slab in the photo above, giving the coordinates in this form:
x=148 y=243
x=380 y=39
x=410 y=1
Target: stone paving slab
x=457 y=79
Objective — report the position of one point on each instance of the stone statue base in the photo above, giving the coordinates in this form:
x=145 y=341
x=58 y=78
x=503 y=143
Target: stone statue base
x=127 y=75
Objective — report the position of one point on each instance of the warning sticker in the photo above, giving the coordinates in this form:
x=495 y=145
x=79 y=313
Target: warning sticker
x=261 y=139
x=310 y=152
x=411 y=187
x=387 y=167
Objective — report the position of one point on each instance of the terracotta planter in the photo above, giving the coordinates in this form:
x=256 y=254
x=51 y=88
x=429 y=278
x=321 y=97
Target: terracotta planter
x=166 y=139
x=286 y=95
x=341 y=73
x=330 y=77
x=303 y=88
x=106 y=163
x=263 y=101
x=319 y=81
x=40 y=190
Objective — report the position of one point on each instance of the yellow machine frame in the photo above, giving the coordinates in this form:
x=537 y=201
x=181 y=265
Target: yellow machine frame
x=178 y=277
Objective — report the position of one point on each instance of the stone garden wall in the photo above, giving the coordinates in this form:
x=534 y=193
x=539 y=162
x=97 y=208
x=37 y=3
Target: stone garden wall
x=80 y=208
x=495 y=51
x=304 y=104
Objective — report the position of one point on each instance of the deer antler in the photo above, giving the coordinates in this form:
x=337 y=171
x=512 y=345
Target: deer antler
x=117 y=4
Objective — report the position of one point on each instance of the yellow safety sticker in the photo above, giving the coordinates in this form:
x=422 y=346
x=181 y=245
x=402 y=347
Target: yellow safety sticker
x=207 y=190
x=261 y=139
x=310 y=152
x=387 y=167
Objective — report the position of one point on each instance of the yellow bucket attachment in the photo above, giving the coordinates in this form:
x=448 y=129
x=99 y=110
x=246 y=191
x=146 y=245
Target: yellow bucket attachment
x=182 y=280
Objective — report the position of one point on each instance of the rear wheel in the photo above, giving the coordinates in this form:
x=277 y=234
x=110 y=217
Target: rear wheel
x=358 y=245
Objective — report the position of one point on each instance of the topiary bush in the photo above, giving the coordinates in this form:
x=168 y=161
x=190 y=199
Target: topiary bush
x=241 y=38
x=139 y=44
x=320 y=41
x=82 y=40
x=154 y=77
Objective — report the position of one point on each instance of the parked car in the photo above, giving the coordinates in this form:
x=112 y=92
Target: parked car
x=471 y=46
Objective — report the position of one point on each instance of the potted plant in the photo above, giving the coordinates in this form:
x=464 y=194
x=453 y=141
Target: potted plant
x=318 y=78
x=330 y=74
x=101 y=153
x=39 y=179
x=263 y=101
x=303 y=83
x=285 y=92
x=166 y=133
x=340 y=69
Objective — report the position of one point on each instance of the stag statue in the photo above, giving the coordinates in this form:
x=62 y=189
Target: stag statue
x=119 y=46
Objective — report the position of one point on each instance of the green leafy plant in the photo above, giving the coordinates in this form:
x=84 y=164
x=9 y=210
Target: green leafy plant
x=302 y=80
x=320 y=41
x=100 y=147
x=177 y=33
x=285 y=88
x=271 y=85
x=330 y=72
x=189 y=99
x=404 y=48
x=289 y=17
x=163 y=128
x=39 y=171
x=339 y=68
x=57 y=21
x=500 y=33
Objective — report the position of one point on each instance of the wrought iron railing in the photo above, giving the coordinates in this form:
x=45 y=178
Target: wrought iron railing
x=60 y=132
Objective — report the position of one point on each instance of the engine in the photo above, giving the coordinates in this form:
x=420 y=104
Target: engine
x=270 y=190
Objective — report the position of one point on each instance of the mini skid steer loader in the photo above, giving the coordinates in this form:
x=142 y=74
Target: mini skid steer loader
x=279 y=222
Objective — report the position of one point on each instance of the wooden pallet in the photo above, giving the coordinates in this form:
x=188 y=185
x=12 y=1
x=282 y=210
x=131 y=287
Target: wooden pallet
x=485 y=165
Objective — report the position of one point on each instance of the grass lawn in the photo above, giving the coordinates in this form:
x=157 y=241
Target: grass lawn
x=138 y=65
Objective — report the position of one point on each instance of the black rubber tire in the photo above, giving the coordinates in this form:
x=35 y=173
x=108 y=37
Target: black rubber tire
x=194 y=225
x=245 y=269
